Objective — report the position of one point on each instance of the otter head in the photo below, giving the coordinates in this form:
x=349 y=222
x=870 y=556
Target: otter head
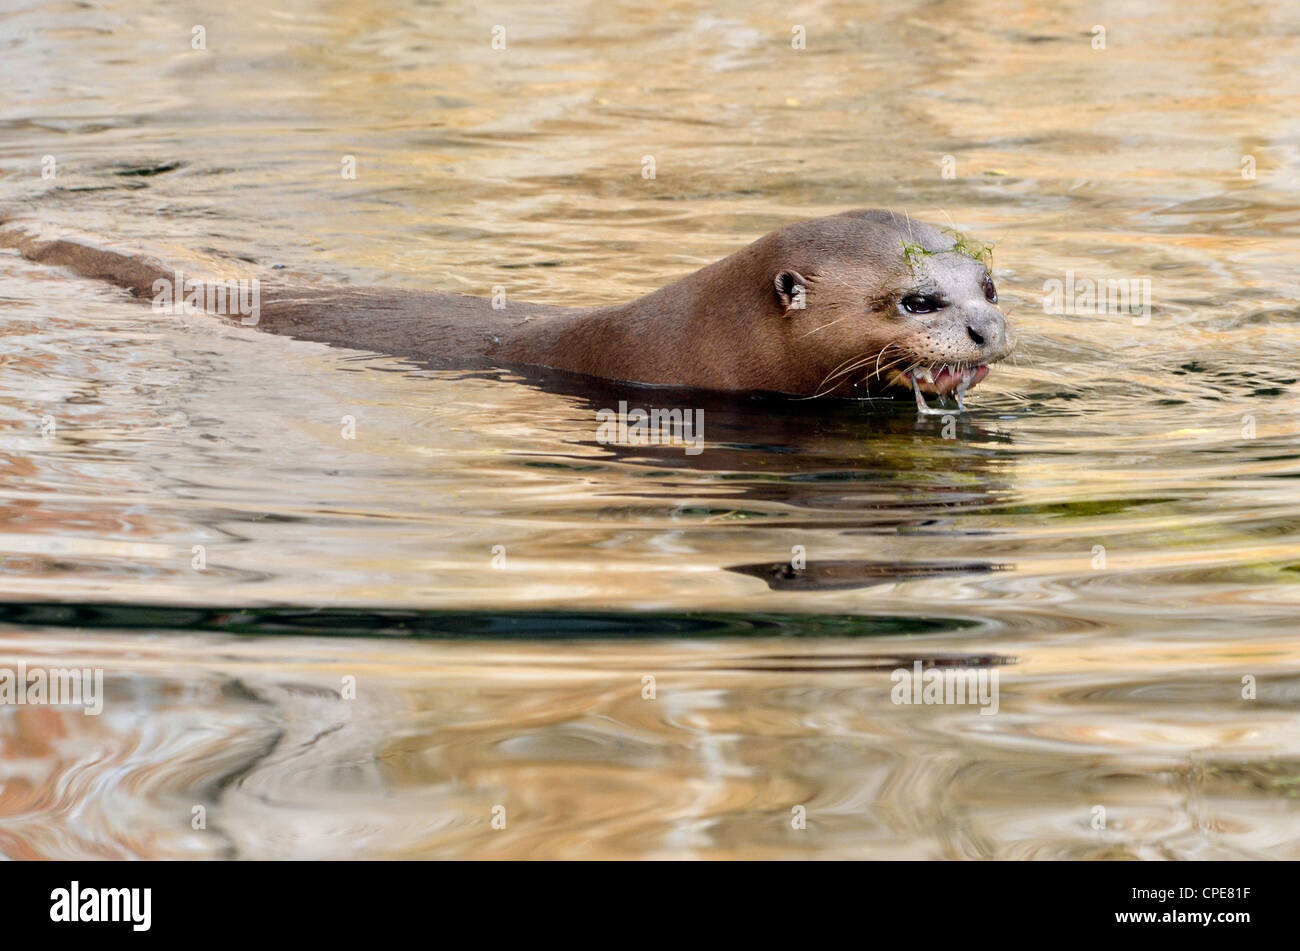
x=873 y=301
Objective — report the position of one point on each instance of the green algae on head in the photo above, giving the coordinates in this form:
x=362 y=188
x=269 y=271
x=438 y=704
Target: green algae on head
x=971 y=247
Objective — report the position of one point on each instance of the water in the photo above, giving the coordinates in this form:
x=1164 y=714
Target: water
x=1112 y=528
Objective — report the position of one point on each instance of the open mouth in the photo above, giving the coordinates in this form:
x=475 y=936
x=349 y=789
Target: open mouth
x=941 y=381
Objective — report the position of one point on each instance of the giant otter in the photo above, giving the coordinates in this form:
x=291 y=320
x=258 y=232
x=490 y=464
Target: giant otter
x=851 y=305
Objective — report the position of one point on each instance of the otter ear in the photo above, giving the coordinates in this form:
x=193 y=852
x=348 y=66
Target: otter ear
x=791 y=290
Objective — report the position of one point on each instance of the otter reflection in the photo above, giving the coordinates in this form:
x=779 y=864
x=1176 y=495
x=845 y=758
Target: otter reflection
x=874 y=460
x=845 y=575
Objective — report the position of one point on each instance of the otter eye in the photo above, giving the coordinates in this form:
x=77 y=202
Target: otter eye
x=921 y=303
x=990 y=292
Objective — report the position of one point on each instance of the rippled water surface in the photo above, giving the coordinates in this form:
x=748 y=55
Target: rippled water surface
x=1114 y=528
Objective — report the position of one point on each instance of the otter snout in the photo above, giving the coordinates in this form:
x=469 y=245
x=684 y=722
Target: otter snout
x=986 y=328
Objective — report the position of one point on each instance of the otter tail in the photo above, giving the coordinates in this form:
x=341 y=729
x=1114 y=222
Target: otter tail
x=135 y=272
x=443 y=329
x=187 y=284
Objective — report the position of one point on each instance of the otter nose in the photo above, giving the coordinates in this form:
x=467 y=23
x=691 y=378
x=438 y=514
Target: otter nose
x=985 y=327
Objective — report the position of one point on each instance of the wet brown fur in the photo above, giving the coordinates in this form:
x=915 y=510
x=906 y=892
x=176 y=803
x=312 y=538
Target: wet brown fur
x=724 y=327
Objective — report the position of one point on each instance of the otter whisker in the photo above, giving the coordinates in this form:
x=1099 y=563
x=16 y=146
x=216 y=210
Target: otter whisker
x=836 y=370
x=845 y=372
x=824 y=326
x=830 y=376
x=882 y=353
x=856 y=361
x=878 y=370
x=842 y=370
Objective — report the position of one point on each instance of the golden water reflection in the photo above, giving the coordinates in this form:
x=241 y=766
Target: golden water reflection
x=1114 y=521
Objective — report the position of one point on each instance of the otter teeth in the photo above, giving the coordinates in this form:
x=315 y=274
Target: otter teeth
x=921 y=406
x=964 y=376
